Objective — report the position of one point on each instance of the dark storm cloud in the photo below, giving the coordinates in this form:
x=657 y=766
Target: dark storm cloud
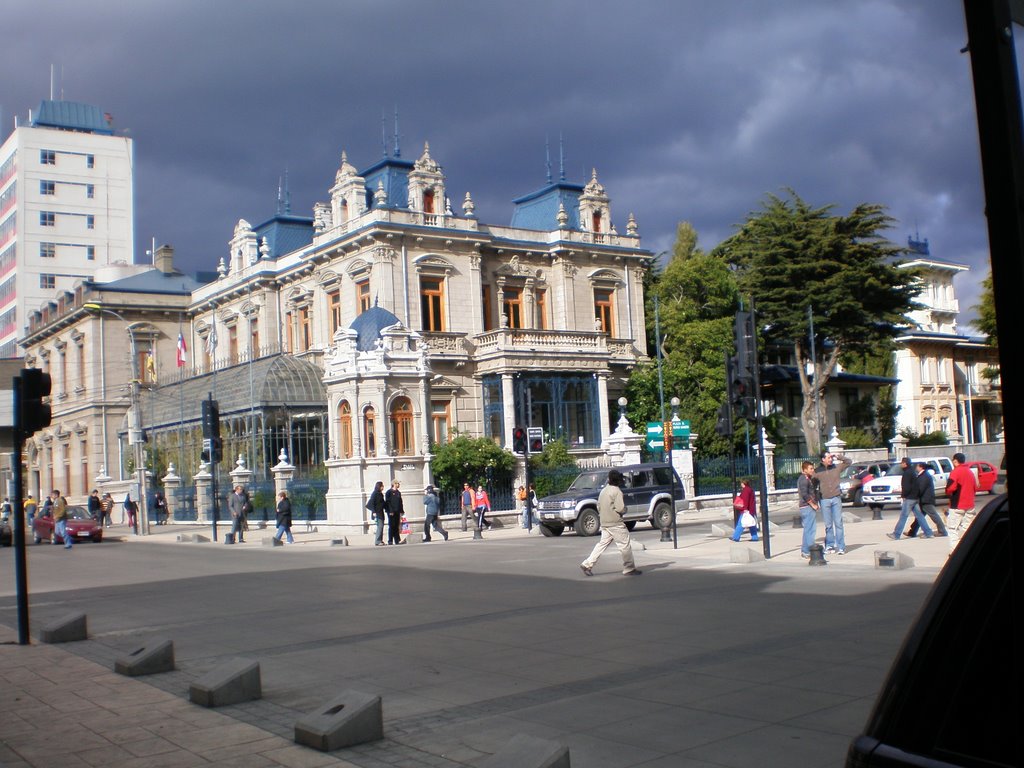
x=689 y=110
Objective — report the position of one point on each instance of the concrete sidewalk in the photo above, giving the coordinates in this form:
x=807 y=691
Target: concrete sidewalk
x=64 y=706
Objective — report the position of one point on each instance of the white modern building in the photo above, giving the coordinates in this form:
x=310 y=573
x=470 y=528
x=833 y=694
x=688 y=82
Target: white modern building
x=66 y=208
x=940 y=370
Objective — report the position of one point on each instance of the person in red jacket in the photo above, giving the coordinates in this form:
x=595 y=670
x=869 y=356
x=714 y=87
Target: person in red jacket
x=481 y=506
x=749 y=501
x=960 y=488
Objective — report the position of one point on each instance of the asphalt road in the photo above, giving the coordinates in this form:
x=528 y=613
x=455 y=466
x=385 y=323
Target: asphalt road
x=699 y=662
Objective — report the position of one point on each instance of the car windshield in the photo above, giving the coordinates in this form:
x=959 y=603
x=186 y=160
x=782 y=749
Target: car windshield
x=852 y=470
x=589 y=481
x=78 y=513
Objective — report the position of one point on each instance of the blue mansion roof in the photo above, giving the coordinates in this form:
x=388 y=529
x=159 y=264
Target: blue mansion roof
x=73 y=116
x=285 y=233
x=368 y=326
x=539 y=210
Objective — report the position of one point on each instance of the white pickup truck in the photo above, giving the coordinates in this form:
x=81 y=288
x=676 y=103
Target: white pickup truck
x=886 y=489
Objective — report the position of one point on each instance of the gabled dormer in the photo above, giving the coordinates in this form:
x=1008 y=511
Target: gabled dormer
x=594 y=211
x=244 y=247
x=426 y=185
x=348 y=195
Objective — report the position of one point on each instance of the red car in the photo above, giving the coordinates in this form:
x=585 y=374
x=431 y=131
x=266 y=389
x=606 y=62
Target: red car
x=986 y=474
x=79 y=524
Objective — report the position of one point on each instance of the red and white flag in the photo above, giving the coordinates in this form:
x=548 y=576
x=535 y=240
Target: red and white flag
x=182 y=351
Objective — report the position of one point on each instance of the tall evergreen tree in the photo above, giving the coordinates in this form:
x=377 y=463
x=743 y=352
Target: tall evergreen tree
x=791 y=257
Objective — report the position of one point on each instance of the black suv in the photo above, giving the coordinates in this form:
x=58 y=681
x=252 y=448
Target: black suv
x=646 y=489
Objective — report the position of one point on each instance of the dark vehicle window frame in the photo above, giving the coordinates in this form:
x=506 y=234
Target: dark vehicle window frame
x=950 y=696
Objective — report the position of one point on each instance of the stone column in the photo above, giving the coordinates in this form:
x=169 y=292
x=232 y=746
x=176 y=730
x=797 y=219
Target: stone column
x=835 y=443
x=769 y=460
x=508 y=406
x=172 y=491
x=682 y=460
x=624 y=444
x=284 y=473
x=602 y=405
x=240 y=475
x=204 y=502
x=899 y=447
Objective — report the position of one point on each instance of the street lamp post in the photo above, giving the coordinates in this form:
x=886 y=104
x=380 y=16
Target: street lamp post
x=134 y=422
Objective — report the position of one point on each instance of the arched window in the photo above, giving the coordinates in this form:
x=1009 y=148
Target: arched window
x=370 y=432
x=345 y=429
x=401 y=426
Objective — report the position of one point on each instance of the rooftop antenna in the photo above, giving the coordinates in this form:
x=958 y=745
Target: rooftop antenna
x=561 y=158
x=547 y=157
x=384 y=132
x=287 y=195
x=398 y=149
x=279 y=195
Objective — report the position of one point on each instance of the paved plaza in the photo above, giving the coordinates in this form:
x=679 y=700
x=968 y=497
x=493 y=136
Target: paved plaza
x=702 y=661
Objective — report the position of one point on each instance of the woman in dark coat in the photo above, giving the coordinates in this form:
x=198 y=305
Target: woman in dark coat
x=376 y=506
x=284 y=518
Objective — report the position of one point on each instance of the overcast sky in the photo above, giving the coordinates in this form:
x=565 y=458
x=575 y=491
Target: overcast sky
x=690 y=110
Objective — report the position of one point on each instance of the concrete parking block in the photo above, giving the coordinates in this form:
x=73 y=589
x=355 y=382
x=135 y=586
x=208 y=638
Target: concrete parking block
x=351 y=718
x=67 y=629
x=523 y=751
x=147 y=660
x=234 y=681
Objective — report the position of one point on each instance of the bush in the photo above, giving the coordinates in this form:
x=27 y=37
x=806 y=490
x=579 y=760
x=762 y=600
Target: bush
x=915 y=438
x=858 y=438
x=466 y=460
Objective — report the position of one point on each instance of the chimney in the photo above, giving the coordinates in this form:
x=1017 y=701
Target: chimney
x=163 y=259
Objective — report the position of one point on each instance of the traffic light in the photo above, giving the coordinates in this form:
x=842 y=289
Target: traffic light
x=743 y=336
x=519 y=440
x=741 y=394
x=537 y=443
x=213 y=450
x=33 y=413
x=724 y=424
x=211 y=419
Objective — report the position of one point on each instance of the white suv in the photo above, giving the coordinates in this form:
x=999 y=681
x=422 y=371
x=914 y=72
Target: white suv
x=886 y=489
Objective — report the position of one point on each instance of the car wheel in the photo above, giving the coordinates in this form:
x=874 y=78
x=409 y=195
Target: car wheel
x=37 y=539
x=662 y=517
x=54 y=539
x=858 y=498
x=630 y=525
x=588 y=523
x=551 y=530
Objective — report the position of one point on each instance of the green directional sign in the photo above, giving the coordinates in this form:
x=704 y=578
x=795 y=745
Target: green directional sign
x=655 y=436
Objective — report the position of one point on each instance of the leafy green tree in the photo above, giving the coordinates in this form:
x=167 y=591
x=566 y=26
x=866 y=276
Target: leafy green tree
x=986 y=311
x=465 y=459
x=986 y=322
x=792 y=257
x=697 y=298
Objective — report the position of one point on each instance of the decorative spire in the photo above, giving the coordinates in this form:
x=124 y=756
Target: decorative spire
x=380 y=197
x=279 y=196
x=468 y=206
x=264 y=249
x=547 y=157
x=562 y=217
x=384 y=132
x=561 y=158
x=287 y=195
x=398 y=149
x=631 y=229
